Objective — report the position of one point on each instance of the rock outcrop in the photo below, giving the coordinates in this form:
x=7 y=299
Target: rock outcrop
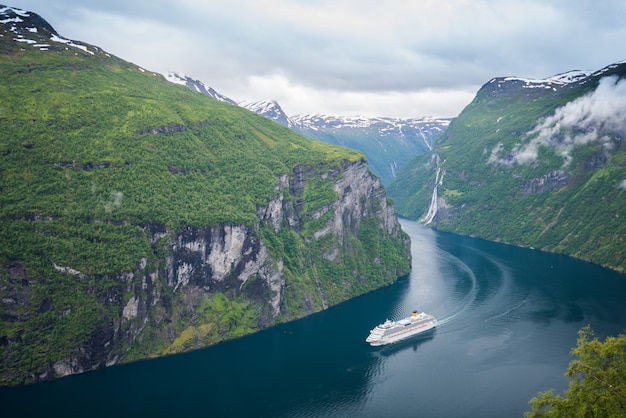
x=192 y=291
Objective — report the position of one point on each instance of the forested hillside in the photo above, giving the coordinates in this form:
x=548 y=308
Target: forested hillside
x=139 y=218
x=539 y=163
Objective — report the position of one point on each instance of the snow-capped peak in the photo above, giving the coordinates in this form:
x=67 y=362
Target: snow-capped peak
x=383 y=124
x=197 y=86
x=563 y=78
x=30 y=29
x=261 y=106
x=176 y=78
x=550 y=83
x=7 y=12
x=270 y=109
x=570 y=76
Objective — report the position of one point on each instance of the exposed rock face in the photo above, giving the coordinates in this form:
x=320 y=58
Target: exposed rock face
x=218 y=258
x=168 y=296
x=552 y=180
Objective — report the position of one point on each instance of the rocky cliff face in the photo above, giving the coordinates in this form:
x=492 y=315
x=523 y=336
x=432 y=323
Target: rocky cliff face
x=205 y=285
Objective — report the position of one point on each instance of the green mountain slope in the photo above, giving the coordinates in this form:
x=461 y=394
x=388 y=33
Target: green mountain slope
x=539 y=163
x=139 y=218
x=387 y=143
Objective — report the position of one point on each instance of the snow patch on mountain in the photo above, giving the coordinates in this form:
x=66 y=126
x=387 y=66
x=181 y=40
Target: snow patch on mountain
x=197 y=86
x=564 y=78
x=551 y=83
x=270 y=109
x=31 y=29
x=55 y=38
x=176 y=79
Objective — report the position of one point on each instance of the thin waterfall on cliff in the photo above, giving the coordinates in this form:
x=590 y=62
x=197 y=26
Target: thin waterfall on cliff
x=432 y=209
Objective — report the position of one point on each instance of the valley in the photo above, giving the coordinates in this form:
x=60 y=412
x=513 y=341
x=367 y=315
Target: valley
x=144 y=215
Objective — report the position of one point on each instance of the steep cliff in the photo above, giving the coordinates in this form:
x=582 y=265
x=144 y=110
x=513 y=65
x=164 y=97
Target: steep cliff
x=139 y=219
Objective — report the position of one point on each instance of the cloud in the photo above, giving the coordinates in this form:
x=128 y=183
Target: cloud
x=114 y=202
x=623 y=184
x=599 y=117
x=405 y=50
x=300 y=99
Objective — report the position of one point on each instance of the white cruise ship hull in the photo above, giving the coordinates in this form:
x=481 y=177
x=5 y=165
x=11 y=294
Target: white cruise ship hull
x=391 y=331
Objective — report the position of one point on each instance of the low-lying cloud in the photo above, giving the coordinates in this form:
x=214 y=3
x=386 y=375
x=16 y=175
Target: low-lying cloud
x=114 y=202
x=596 y=117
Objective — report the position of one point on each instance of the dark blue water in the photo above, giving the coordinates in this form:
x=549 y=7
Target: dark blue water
x=508 y=318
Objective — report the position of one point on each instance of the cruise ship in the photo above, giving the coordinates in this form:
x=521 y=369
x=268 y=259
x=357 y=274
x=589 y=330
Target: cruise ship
x=393 y=331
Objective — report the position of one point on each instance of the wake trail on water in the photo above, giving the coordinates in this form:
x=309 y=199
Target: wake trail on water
x=442 y=287
x=493 y=289
x=454 y=287
x=467 y=301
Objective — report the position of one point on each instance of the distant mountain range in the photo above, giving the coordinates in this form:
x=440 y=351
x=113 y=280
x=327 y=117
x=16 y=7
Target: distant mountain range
x=388 y=143
x=539 y=163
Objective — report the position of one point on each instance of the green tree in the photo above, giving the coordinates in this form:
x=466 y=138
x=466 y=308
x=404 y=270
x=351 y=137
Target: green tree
x=597 y=381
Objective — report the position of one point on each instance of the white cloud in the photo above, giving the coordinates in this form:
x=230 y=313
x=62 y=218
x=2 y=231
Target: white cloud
x=588 y=119
x=114 y=202
x=394 y=51
x=300 y=99
x=623 y=184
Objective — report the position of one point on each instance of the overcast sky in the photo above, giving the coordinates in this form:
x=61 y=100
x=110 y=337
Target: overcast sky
x=399 y=58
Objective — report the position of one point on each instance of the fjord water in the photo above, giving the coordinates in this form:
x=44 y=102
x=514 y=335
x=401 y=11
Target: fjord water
x=508 y=318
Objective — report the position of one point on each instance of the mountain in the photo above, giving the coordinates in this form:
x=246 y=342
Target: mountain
x=138 y=218
x=269 y=109
x=198 y=86
x=539 y=163
x=388 y=143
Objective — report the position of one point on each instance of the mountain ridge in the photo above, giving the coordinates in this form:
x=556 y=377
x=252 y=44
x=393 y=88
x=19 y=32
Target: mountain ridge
x=198 y=86
x=140 y=219
x=537 y=163
x=387 y=142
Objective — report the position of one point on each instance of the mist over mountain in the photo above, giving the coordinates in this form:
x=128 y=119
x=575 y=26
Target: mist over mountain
x=540 y=163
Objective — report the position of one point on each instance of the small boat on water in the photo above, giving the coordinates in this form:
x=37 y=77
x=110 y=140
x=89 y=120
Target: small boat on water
x=393 y=331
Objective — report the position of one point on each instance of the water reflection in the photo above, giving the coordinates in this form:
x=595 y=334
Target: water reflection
x=412 y=344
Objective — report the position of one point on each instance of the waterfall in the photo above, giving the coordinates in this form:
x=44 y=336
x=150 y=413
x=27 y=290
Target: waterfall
x=432 y=209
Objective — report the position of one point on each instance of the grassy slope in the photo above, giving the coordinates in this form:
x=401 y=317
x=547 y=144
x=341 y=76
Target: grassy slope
x=84 y=173
x=72 y=132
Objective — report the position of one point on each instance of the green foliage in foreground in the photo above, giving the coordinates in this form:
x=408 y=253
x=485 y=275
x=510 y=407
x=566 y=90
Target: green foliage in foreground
x=597 y=381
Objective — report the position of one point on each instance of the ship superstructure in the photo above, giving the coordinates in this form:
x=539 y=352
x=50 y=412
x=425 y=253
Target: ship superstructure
x=392 y=331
